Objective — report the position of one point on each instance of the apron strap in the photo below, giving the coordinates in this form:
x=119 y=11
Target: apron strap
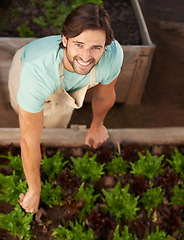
x=92 y=77
x=61 y=73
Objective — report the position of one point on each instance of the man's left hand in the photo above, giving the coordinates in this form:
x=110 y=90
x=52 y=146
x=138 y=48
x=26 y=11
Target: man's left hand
x=96 y=136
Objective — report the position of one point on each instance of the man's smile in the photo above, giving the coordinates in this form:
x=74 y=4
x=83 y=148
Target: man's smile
x=84 y=64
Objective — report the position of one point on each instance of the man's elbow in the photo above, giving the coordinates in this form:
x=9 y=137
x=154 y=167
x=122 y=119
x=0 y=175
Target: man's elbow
x=108 y=100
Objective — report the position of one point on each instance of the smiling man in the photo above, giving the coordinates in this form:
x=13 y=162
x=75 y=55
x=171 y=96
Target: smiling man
x=84 y=51
x=49 y=78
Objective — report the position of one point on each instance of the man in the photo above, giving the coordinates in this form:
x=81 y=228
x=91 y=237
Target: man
x=49 y=78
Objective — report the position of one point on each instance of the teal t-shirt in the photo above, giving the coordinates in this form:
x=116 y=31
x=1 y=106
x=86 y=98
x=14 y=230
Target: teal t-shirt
x=40 y=78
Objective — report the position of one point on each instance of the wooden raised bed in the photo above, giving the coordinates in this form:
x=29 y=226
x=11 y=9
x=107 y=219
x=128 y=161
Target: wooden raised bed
x=76 y=138
x=133 y=75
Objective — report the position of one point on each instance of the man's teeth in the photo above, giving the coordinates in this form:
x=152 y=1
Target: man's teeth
x=82 y=63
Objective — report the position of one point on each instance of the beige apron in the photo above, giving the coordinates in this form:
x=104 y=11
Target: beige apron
x=59 y=107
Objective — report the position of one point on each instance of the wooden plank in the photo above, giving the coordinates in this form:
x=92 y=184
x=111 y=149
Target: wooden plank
x=140 y=76
x=11 y=44
x=131 y=54
x=73 y=138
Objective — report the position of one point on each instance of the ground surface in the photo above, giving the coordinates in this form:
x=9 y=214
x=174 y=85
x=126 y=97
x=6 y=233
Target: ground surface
x=163 y=100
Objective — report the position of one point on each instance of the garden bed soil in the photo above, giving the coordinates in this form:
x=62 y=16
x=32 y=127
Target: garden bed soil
x=168 y=217
x=123 y=20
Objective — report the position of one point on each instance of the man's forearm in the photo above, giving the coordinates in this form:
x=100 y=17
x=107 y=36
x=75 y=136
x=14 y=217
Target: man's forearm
x=100 y=107
x=31 y=159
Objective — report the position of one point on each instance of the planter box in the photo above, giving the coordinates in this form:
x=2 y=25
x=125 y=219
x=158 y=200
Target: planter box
x=76 y=137
x=133 y=75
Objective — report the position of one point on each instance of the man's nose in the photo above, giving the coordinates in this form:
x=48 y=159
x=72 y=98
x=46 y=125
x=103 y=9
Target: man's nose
x=85 y=55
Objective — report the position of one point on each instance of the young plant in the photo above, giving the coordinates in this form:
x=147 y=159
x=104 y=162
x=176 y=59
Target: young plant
x=120 y=202
x=15 y=163
x=54 y=165
x=87 y=168
x=88 y=196
x=147 y=165
x=177 y=163
x=51 y=195
x=17 y=223
x=178 y=198
x=158 y=235
x=117 y=166
x=76 y=3
x=152 y=198
x=75 y=231
x=125 y=235
x=25 y=31
x=55 y=14
x=11 y=187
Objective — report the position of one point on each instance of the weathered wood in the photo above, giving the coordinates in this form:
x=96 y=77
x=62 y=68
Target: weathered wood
x=139 y=78
x=72 y=138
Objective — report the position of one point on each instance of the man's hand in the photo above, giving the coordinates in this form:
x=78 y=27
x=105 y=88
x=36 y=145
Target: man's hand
x=103 y=99
x=30 y=201
x=96 y=136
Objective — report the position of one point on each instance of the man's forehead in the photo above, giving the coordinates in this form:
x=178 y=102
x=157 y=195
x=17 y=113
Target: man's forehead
x=83 y=43
x=93 y=37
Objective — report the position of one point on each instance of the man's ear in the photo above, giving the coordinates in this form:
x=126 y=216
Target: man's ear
x=64 y=40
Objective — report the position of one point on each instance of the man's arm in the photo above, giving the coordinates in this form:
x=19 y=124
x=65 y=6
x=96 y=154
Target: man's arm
x=103 y=99
x=31 y=125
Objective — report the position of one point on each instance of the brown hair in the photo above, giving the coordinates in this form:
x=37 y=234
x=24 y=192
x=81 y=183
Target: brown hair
x=87 y=16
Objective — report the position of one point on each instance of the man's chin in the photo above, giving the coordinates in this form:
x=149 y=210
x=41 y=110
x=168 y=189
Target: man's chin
x=83 y=71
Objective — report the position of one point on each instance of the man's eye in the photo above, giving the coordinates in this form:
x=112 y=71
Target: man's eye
x=97 y=48
x=78 y=45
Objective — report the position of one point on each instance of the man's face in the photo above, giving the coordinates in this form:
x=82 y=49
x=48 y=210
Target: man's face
x=83 y=52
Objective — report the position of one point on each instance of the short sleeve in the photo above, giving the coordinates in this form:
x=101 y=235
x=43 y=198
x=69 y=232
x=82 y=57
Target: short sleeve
x=114 y=61
x=34 y=88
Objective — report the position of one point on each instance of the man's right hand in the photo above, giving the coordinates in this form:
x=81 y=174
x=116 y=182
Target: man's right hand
x=30 y=201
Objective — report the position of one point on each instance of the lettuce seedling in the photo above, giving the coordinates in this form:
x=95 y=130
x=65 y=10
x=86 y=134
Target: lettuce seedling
x=17 y=223
x=177 y=163
x=178 y=198
x=158 y=235
x=51 y=195
x=15 y=163
x=11 y=187
x=54 y=165
x=120 y=202
x=87 y=168
x=147 y=165
x=125 y=235
x=75 y=231
x=152 y=198
x=89 y=198
x=117 y=166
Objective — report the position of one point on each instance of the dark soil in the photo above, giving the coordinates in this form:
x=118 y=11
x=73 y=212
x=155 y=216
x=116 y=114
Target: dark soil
x=123 y=20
